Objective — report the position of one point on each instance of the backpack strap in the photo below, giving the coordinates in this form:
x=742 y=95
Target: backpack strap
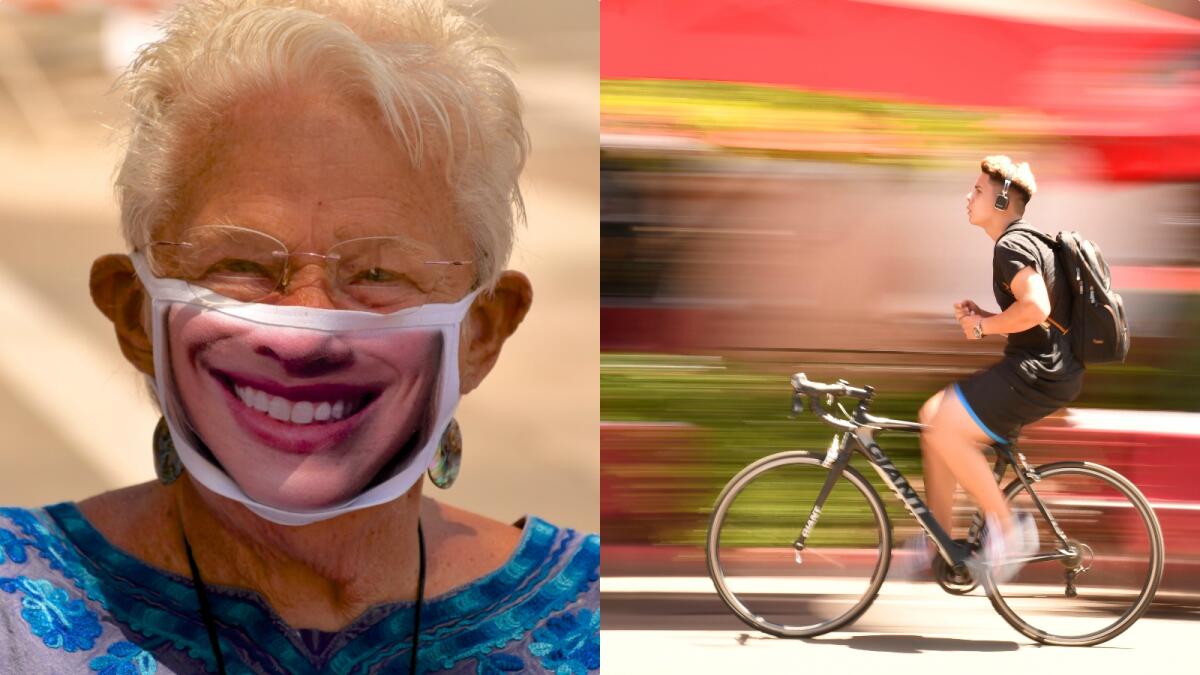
x=1050 y=320
x=1053 y=244
x=1047 y=239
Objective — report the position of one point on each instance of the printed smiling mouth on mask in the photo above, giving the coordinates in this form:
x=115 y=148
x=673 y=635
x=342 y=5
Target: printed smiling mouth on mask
x=307 y=404
x=302 y=414
x=269 y=389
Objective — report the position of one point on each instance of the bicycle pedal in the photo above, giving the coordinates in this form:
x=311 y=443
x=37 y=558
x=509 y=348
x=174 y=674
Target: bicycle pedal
x=798 y=560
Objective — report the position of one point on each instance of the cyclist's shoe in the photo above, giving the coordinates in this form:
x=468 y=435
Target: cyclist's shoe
x=999 y=549
x=915 y=561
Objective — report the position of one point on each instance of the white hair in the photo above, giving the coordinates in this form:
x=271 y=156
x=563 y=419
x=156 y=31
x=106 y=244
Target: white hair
x=441 y=85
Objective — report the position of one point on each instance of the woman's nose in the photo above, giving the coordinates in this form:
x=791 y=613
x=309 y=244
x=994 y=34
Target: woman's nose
x=306 y=352
x=307 y=287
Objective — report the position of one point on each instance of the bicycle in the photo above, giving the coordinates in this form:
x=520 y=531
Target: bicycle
x=1062 y=588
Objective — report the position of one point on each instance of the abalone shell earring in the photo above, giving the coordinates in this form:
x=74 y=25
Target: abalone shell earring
x=448 y=458
x=167 y=464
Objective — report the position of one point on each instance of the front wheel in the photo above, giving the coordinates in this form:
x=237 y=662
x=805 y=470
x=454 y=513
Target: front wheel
x=755 y=568
x=1109 y=567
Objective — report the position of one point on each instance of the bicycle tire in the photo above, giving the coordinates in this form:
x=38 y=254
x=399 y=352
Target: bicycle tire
x=1154 y=566
x=736 y=486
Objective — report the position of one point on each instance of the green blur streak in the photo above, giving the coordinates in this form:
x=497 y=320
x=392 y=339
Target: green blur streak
x=741 y=415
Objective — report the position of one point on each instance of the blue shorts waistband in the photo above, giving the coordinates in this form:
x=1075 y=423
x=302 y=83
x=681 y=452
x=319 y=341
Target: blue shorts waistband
x=993 y=435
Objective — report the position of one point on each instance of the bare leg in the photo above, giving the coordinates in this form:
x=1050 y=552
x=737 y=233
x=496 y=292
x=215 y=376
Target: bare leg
x=957 y=440
x=939 y=481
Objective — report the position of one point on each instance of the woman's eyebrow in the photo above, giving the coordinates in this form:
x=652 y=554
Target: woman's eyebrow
x=358 y=229
x=248 y=222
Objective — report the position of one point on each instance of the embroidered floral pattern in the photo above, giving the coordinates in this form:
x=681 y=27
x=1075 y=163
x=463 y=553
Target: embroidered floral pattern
x=51 y=548
x=569 y=644
x=124 y=658
x=486 y=627
x=11 y=547
x=515 y=622
x=60 y=621
x=497 y=664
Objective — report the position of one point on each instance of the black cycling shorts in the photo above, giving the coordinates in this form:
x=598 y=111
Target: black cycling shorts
x=1001 y=409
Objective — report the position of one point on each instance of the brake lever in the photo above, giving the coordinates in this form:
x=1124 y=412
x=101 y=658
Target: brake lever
x=797 y=405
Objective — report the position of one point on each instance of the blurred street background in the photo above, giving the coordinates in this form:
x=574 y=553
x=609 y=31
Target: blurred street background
x=74 y=418
x=783 y=190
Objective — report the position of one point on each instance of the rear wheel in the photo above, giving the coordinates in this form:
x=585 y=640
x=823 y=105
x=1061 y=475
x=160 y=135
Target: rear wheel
x=1114 y=562
x=752 y=561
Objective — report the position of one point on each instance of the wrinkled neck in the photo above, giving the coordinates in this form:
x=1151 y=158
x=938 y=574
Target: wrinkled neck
x=321 y=575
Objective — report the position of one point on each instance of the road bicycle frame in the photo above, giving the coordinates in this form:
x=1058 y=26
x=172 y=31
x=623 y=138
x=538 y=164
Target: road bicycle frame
x=857 y=431
x=861 y=438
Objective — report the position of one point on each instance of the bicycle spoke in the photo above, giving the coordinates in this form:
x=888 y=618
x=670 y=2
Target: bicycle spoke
x=1097 y=587
x=753 y=560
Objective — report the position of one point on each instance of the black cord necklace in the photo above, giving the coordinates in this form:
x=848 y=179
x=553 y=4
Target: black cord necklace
x=210 y=623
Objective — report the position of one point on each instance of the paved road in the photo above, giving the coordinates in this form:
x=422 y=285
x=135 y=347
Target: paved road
x=910 y=628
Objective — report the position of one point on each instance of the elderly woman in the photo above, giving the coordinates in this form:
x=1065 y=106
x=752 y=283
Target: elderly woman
x=319 y=199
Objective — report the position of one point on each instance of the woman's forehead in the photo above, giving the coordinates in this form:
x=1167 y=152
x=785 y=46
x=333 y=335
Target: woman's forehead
x=311 y=172
x=314 y=225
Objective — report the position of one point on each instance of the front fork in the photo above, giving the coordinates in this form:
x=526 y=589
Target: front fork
x=836 y=459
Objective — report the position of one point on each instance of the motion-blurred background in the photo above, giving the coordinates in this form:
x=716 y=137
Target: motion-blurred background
x=74 y=419
x=783 y=190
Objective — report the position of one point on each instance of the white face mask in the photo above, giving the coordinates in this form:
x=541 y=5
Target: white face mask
x=302 y=414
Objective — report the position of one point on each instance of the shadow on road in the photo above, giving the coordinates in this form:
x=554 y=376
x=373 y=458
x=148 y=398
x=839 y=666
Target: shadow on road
x=1175 y=607
x=903 y=644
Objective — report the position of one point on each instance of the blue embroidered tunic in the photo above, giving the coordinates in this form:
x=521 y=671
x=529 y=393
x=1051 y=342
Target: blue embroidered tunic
x=70 y=602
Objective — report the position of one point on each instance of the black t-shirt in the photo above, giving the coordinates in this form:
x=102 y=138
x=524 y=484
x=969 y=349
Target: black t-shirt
x=1039 y=357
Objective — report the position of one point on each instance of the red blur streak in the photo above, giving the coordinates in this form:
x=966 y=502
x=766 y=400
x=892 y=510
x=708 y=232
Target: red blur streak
x=1149 y=159
x=1161 y=465
x=923 y=54
x=64 y=6
x=625 y=444
x=849 y=46
x=1162 y=279
x=651 y=329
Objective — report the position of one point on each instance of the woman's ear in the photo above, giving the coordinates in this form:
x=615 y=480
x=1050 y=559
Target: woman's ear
x=118 y=293
x=491 y=320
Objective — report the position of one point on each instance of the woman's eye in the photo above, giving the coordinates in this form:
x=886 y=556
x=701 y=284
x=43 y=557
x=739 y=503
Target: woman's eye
x=239 y=267
x=376 y=275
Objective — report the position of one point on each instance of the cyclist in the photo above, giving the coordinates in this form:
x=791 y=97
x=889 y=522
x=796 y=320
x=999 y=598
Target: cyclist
x=1037 y=375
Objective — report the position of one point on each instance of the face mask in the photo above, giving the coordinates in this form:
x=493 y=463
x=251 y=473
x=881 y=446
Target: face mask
x=302 y=414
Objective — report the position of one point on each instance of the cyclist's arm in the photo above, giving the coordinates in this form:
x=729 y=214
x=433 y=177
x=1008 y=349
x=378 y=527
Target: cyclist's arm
x=1031 y=308
x=965 y=307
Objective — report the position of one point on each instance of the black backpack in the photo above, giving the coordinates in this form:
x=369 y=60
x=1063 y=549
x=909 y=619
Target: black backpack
x=1096 y=322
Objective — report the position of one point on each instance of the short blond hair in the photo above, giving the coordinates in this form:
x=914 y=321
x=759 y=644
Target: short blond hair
x=1001 y=168
x=438 y=80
